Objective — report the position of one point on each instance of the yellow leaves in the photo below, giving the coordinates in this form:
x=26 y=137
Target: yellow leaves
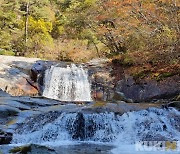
x=74 y=5
x=89 y=2
x=156 y=74
x=39 y=33
x=167 y=31
x=61 y=29
x=39 y=25
x=168 y=35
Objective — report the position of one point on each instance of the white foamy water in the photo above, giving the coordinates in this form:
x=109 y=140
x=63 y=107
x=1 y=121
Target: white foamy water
x=67 y=84
x=104 y=128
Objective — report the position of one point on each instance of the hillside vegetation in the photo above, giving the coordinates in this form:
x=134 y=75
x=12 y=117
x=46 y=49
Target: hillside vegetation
x=130 y=32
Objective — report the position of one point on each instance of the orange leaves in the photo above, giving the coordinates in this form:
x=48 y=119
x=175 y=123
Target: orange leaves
x=112 y=3
x=101 y=17
x=138 y=24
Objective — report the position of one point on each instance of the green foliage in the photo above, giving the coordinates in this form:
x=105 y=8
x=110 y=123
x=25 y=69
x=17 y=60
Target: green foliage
x=128 y=61
x=141 y=74
x=5 y=40
x=164 y=75
x=109 y=28
x=8 y=53
x=13 y=15
x=124 y=60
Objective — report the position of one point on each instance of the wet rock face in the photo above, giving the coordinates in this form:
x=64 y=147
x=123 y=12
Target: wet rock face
x=107 y=80
x=5 y=137
x=37 y=73
x=3 y=94
x=8 y=111
x=78 y=132
x=146 y=90
x=37 y=68
x=70 y=149
x=42 y=119
x=101 y=83
x=32 y=149
x=175 y=104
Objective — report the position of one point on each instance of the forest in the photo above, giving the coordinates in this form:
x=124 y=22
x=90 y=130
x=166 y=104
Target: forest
x=127 y=31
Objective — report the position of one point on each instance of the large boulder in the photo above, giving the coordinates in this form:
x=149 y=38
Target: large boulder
x=14 y=75
x=145 y=90
x=37 y=74
x=37 y=68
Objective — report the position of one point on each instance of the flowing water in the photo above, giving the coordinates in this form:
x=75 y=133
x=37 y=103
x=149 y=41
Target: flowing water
x=108 y=129
x=67 y=84
x=95 y=133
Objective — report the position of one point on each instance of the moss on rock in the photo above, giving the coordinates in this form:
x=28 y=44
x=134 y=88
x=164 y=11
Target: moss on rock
x=21 y=149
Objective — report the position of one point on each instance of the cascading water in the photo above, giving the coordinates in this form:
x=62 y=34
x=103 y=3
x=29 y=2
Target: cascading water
x=67 y=84
x=146 y=125
x=64 y=126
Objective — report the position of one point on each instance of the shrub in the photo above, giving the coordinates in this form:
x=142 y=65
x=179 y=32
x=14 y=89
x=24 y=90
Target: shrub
x=6 y=52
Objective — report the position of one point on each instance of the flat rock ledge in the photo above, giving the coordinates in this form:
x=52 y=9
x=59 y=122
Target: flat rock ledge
x=14 y=75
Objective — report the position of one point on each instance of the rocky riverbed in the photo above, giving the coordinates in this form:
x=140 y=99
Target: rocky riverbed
x=22 y=115
x=145 y=110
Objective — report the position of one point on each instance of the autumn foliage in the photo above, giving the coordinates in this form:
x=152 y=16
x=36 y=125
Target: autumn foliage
x=111 y=28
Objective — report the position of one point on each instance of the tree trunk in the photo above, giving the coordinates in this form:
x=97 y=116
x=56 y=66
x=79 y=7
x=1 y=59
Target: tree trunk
x=26 y=27
x=97 y=50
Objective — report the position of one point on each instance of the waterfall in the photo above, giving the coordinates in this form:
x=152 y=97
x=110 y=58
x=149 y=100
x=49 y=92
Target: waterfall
x=56 y=127
x=67 y=84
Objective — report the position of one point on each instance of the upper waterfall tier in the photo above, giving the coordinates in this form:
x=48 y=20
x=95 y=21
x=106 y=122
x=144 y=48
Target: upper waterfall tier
x=67 y=84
